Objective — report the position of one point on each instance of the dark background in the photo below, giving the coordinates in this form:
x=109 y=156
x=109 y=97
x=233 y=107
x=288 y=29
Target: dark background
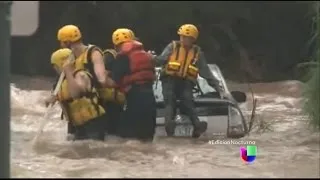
x=258 y=41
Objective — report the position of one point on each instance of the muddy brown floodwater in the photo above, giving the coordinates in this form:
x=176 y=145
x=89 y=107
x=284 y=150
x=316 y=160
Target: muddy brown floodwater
x=288 y=150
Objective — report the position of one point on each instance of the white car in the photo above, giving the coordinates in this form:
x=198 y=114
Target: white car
x=223 y=116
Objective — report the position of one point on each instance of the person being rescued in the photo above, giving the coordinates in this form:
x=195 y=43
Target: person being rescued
x=90 y=58
x=116 y=101
x=134 y=72
x=78 y=98
x=182 y=62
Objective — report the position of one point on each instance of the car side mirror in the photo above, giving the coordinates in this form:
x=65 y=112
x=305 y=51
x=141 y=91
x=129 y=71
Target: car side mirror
x=239 y=96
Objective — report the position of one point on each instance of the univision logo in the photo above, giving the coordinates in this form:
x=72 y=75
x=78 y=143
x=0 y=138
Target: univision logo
x=248 y=154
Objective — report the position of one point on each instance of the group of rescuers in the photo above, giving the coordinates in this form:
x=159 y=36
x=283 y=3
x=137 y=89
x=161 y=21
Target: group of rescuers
x=111 y=91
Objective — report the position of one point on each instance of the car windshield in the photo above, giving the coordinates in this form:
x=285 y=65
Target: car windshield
x=202 y=83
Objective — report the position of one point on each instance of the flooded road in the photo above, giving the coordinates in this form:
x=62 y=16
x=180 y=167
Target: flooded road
x=287 y=149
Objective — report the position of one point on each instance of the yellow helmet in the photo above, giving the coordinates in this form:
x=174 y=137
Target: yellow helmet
x=60 y=56
x=69 y=33
x=122 y=35
x=132 y=33
x=188 y=30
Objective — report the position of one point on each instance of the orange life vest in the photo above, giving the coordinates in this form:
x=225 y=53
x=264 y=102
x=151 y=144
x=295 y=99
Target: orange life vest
x=182 y=62
x=142 y=68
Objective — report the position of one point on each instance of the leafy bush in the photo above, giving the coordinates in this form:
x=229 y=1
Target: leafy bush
x=312 y=88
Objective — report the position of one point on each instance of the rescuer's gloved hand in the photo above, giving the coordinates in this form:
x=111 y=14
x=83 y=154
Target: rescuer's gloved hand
x=153 y=53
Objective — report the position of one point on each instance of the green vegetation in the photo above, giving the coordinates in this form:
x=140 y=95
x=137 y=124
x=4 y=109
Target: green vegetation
x=264 y=39
x=312 y=88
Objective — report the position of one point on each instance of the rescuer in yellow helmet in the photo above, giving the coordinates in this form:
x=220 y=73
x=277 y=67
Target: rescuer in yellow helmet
x=134 y=72
x=116 y=98
x=78 y=98
x=116 y=103
x=183 y=61
x=90 y=58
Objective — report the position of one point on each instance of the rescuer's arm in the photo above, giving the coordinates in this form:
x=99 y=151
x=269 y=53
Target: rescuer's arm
x=78 y=83
x=75 y=89
x=162 y=59
x=83 y=80
x=99 y=69
x=51 y=99
x=205 y=72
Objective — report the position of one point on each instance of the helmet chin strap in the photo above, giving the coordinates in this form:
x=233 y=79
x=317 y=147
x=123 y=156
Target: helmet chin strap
x=187 y=47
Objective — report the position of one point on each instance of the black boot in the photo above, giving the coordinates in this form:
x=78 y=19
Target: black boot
x=170 y=128
x=199 y=128
x=170 y=124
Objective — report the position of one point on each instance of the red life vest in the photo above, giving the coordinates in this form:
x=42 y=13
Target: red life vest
x=141 y=65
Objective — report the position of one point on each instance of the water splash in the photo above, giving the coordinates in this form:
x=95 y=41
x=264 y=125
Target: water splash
x=289 y=151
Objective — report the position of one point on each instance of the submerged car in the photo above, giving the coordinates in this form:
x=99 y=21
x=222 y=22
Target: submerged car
x=224 y=117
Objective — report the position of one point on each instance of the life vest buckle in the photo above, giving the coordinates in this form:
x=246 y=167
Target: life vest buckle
x=174 y=66
x=193 y=71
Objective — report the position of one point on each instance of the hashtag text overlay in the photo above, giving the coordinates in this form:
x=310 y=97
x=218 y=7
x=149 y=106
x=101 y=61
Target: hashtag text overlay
x=231 y=141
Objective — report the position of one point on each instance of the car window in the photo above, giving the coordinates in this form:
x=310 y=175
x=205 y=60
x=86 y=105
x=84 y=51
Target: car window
x=202 y=83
